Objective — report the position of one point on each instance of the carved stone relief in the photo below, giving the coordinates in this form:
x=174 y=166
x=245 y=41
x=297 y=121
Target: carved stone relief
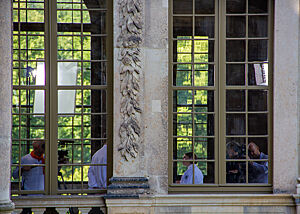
x=129 y=42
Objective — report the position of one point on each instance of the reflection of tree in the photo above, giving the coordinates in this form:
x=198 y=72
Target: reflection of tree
x=78 y=46
x=187 y=74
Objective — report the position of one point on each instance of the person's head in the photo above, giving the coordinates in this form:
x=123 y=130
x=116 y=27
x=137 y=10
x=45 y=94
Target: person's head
x=38 y=147
x=232 y=149
x=188 y=156
x=253 y=150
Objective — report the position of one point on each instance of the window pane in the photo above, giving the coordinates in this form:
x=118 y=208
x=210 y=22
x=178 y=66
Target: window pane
x=204 y=75
x=235 y=74
x=204 y=148
x=182 y=125
x=257 y=100
x=204 y=125
x=235 y=50
x=258 y=172
x=235 y=26
x=233 y=6
x=258 y=26
x=235 y=172
x=181 y=146
x=182 y=75
x=258 y=50
x=203 y=101
x=182 y=6
x=182 y=26
x=235 y=100
x=205 y=26
x=205 y=6
x=235 y=124
x=258 y=6
x=182 y=101
x=258 y=124
x=258 y=74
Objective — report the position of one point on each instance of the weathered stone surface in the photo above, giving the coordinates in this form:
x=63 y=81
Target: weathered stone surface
x=286 y=96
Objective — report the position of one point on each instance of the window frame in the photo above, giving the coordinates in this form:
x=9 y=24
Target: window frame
x=220 y=87
x=51 y=101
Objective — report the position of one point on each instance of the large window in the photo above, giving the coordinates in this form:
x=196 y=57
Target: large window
x=220 y=95
x=62 y=94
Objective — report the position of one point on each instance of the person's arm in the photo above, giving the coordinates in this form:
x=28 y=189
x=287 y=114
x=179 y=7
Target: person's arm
x=261 y=168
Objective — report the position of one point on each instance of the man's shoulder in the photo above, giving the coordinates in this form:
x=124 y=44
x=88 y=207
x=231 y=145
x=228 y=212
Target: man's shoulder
x=28 y=158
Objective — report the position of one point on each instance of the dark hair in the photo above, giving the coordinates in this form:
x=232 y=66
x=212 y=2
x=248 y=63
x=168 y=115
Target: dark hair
x=190 y=156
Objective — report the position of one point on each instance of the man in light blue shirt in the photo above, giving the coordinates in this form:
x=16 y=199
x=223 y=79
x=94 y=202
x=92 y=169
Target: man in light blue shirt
x=188 y=176
x=97 y=174
x=258 y=172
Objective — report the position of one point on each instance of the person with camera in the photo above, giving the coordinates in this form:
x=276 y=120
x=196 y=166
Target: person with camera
x=235 y=171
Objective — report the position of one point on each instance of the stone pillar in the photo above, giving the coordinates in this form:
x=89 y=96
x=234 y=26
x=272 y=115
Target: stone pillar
x=6 y=206
x=286 y=96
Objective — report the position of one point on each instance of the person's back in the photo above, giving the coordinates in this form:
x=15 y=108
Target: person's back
x=97 y=174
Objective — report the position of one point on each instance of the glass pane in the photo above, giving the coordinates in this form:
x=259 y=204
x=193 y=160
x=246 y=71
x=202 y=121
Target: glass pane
x=181 y=146
x=182 y=125
x=235 y=124
x=235 y=26
x=182 y=101
x=258 y=74
x=182 y=26
x=182 y=6
x=258 y=124
x=94 y=73
x=258 y=6
x=204 y=148
x=182 y=51
x=235 y=100
x=235 y=50
x=208 y=171
x=258 y=26
x=182 y=75
x=204 y=6
x=203 y=101
x=204 y=125
x=204 y=75
x=205 y=26
x=235 y=172
x=257 y=100
x=203 y=51
x=235 y=148
x=235 y=74
x=233 y=6
x=258 y=50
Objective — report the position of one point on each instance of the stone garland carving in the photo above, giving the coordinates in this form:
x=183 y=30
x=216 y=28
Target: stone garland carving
x=129 y=41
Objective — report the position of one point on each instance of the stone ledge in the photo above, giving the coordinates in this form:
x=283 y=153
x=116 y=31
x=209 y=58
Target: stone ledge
x=6 y=207
x=115 y=186
x=129 y=179
x=59 y=201
x=182 y=200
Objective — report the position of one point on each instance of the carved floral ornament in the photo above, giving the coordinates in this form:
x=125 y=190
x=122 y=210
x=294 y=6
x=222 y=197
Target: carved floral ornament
x=129 y=41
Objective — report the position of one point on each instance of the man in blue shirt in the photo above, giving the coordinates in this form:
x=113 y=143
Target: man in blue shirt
x=258 y=172
x=189 y=176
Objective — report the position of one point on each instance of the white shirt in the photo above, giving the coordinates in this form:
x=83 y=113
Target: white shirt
x=187 y=177
x=97 y=174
